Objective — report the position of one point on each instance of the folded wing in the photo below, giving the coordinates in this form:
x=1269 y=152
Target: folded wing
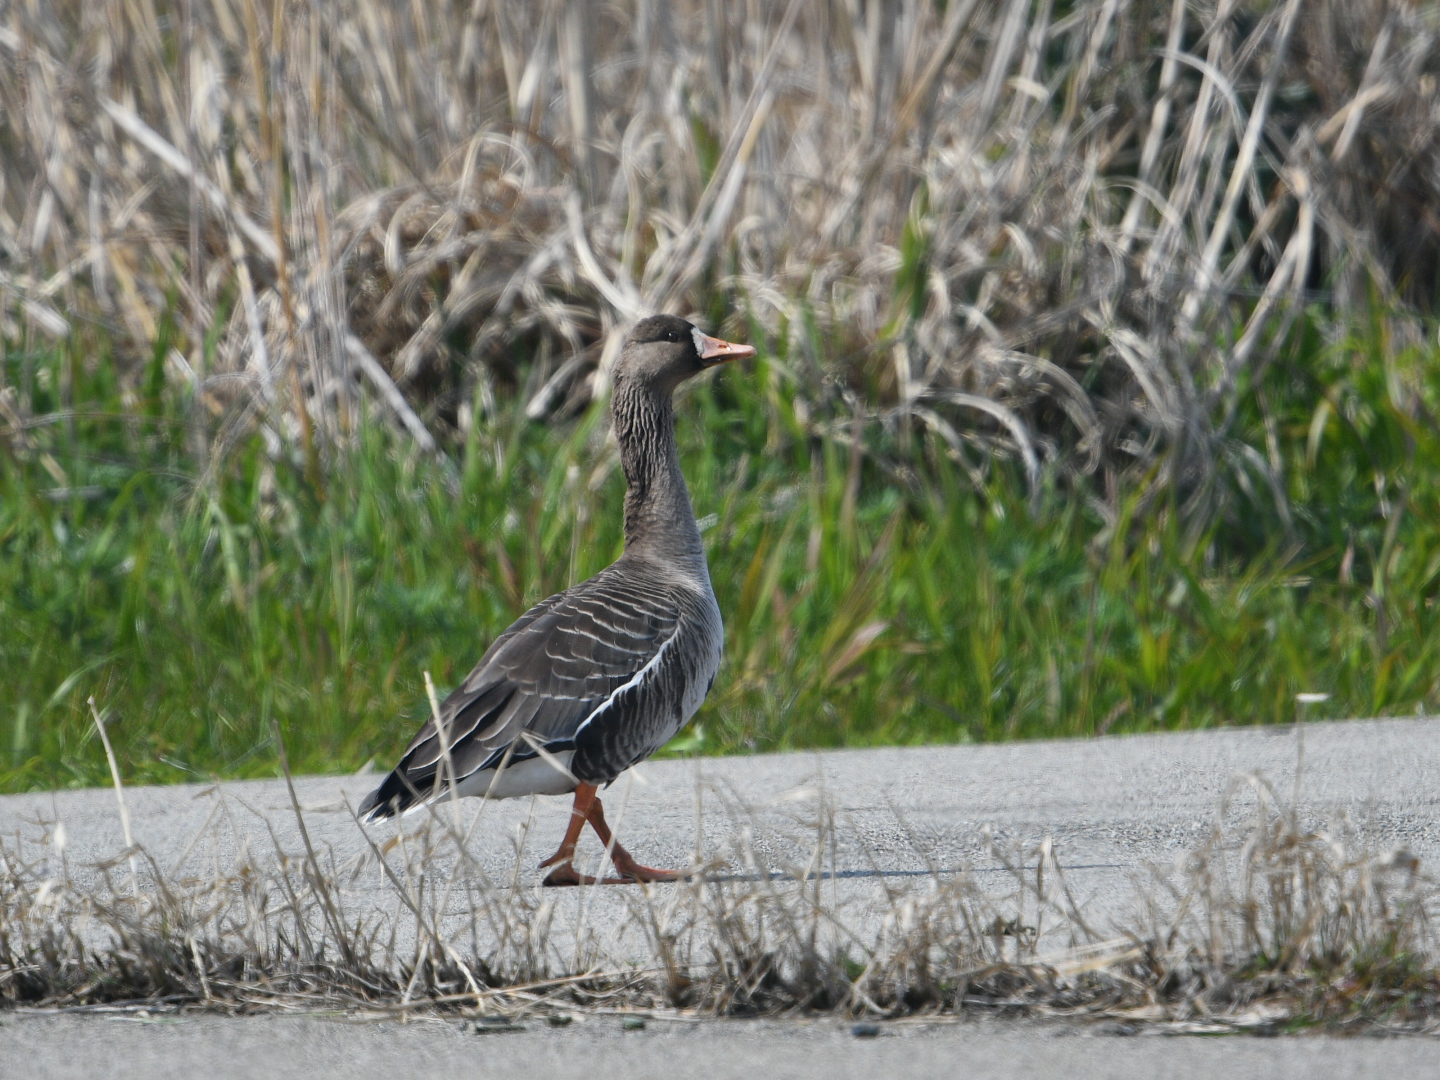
x=537 y=684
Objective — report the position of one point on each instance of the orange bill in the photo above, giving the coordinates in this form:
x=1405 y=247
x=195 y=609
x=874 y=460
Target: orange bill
x=714 y=351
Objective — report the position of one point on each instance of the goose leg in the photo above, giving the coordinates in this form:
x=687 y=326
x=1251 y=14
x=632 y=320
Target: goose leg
x=564 y=859
x=629 y=869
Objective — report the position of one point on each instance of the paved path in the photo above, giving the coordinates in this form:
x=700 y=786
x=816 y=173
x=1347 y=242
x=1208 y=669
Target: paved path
x=285 y=1048
x=1110 y=806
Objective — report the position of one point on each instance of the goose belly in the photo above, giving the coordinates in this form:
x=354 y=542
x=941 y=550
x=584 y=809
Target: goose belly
x=533 y=776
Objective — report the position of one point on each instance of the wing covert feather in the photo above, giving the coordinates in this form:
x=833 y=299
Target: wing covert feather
x=549 y=671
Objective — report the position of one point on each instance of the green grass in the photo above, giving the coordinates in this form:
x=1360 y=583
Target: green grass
x=868 y=599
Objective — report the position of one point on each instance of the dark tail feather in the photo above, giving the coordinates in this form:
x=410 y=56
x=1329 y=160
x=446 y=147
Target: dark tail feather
x=393 y=796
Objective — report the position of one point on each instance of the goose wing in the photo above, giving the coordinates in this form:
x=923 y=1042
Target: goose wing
x=558 y=664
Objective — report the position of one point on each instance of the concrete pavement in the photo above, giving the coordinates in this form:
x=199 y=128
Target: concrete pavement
x=1111 y=807
x=293 y=1048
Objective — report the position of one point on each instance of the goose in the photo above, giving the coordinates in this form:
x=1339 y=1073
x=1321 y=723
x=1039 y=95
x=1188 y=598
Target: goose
x=596 y=678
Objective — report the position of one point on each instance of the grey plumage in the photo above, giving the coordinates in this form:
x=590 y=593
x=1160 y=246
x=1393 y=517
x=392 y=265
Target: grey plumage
x=602 y=675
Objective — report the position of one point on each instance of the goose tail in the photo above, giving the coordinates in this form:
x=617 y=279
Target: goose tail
x=392 y=798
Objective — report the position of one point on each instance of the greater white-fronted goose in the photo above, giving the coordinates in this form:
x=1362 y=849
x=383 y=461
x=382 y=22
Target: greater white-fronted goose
x=602 y=675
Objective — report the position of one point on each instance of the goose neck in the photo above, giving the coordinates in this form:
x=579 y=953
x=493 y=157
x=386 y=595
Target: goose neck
x=659 y=518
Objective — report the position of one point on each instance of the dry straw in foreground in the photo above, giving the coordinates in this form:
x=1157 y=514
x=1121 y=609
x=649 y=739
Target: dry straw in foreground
x=1268 y=926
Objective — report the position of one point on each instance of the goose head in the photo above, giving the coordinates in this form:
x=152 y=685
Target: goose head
x=663 y=351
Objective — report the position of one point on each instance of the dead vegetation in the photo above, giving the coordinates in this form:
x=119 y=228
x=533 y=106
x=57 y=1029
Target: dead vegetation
x=1267 y=926
x=1072 y=234
x=1069 y=233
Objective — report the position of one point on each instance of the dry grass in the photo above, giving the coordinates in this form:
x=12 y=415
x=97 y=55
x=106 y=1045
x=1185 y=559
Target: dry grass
x=1068 y=233
x=1072 y=234
x=1268 y=926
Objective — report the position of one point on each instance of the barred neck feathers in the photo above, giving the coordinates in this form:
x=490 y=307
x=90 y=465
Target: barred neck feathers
x=659 y=518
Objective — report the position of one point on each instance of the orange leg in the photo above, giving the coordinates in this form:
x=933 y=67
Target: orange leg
x=564 y=859
x=629 y=869
x=587 y=808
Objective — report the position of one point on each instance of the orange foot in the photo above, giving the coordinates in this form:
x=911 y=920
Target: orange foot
x=565 y=874
x=587 y=808
x=630 y=870
x=631 y=873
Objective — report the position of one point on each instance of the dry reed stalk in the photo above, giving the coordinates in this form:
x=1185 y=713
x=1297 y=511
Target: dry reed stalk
x=984 y=207
x=119 y=794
